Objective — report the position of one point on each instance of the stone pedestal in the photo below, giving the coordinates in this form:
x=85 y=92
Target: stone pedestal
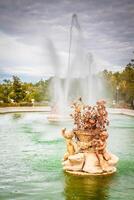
x=85 y=160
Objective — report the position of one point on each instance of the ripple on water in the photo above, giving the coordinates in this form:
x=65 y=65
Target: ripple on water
x=31 y=150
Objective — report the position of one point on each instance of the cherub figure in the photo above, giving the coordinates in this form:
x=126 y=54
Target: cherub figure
x=71 y=146
x=99 y=146
x=103 y=137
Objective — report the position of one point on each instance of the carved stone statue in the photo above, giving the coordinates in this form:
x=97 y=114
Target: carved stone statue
x=86 y=142
x=70 y=144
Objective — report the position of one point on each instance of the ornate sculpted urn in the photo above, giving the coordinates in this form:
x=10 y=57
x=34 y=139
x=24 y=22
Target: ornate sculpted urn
x=86 y=144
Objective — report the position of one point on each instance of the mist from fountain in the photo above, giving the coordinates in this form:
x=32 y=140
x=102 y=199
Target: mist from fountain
x=80 y=79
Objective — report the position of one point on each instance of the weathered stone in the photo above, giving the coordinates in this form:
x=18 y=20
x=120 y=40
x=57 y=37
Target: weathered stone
x=86 y=143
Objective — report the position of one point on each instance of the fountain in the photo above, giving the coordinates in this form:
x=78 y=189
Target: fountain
x=87 y=152
x=79 y=79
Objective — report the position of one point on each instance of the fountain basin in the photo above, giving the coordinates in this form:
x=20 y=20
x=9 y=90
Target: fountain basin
x=58 y=118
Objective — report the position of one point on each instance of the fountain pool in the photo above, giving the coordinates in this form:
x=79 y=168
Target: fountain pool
x=31 y=149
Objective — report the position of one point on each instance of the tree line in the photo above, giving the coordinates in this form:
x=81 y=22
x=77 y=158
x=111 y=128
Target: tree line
x=15 y=91
x=118 y=88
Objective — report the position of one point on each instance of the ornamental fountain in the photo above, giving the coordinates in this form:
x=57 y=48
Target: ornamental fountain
x=79 y=73
x=87 y=152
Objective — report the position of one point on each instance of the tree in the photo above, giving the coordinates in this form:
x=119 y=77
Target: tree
x=18 y=93
x=5 y=90
x=123 y=80
x=41 y=91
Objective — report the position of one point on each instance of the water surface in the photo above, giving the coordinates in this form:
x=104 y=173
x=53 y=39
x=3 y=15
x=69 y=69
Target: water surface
x=31 y=149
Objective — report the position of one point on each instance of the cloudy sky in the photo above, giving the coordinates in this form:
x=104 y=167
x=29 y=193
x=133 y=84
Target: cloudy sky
x=26 y=26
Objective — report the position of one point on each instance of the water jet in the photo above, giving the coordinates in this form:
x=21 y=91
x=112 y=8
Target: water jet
x=79 y=79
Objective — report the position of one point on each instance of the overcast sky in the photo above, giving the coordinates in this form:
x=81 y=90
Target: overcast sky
x=26 y=25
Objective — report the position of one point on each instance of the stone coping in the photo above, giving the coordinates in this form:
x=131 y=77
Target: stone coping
x=122 y=111
x=48 y=109
x=25 y=109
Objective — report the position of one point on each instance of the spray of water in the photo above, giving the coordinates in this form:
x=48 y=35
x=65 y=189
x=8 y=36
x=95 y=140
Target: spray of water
x=80 y=79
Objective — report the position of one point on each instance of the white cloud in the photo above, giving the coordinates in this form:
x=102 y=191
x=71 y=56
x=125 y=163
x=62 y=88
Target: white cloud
x=20 y=58
x=25 y=25
x=16 y=51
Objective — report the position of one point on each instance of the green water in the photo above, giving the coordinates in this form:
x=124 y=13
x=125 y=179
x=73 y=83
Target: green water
x=30 y=161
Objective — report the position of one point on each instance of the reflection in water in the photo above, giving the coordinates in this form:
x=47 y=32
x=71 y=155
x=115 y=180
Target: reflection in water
x=92 y=187
x=16 y=116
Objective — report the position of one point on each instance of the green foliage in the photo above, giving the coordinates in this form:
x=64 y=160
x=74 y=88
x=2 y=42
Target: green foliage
x=15 y=91
x=120 y=83
x=18 y=91
x=5 y=89
x=119 y=86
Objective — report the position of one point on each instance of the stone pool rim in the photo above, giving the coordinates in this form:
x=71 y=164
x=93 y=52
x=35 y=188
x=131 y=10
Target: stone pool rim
x=47 y=109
